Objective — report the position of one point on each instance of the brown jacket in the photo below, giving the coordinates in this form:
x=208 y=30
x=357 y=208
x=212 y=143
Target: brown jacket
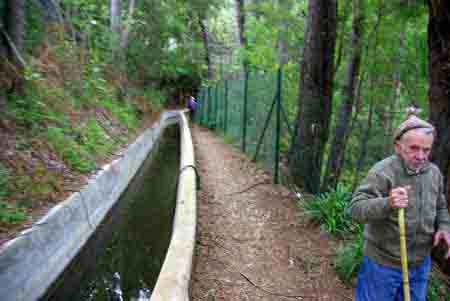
x=427 y=211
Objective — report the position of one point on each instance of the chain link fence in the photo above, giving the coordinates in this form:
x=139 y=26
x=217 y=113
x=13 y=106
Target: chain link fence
x=250 y=112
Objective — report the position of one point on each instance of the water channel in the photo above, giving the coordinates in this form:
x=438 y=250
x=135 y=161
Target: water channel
x=122 y=260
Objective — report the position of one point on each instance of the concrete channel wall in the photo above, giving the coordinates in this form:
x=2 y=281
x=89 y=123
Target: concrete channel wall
x=30 y=263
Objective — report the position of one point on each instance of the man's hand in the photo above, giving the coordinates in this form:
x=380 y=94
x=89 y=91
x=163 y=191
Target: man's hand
x=445 y=236
x=398 y=197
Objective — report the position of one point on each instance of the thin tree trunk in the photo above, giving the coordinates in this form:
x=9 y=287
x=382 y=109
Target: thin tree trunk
x=115 y=16
x=439 y=78
x=205 y=37
x=364 y=145
x=336 y=158
x=340 y=43
x=284 y=6
x=315 y=100
x=241 y=21
x=15 y=25
x=126 y=31
x=241 y=26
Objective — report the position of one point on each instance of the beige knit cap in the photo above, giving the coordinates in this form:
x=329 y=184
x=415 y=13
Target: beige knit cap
x=411 y=123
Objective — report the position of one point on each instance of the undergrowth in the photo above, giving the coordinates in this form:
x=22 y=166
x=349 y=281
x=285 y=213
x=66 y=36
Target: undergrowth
x=70 y=107
x=9 y=214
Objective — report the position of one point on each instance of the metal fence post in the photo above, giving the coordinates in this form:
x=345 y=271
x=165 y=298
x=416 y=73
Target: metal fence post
x=208 y=113
x=226 y=108
x=216 y=105
x=244 y=115
x=278 y=128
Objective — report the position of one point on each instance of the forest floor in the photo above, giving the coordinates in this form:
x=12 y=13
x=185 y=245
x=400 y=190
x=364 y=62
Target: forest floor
x=251 y=242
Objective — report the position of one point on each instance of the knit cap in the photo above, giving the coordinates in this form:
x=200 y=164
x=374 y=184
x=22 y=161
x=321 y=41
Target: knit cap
x=411 y=123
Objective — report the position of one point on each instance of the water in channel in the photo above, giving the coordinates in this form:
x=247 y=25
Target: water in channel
x=122 y=260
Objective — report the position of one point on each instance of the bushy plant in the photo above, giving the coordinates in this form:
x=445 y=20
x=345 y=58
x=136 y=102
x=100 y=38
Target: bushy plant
x=329 y=210
x=9 y=214
x=76 y=156
x=438 y=287
x=4 y=177
x=96 y=141
x=349 y=257
x=124 y=112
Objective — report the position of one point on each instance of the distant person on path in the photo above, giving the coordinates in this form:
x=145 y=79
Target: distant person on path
x=192 y=105
x=404 y=180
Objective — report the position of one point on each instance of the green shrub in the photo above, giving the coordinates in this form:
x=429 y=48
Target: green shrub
x=438 y=288
x=96 y=141
x=156 y=98
x=124 y=112
x=10 y=214
x=329 y=210
x=349 y=257
x=76 y=156
x=4 y=178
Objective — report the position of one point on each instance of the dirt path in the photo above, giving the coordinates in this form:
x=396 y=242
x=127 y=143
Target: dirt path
x=250 y=245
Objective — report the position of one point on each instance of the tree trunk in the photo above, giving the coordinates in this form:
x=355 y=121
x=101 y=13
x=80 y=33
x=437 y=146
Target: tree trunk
x=241 y=21
x=337 y=152
x=315 y=100
x=364 y=143
x=282 y=42
x=241 y=27
x=127 y=29
x=115 y=17
x=15 y=28
x=340 y=42
x=439 y=78
x=205 y=37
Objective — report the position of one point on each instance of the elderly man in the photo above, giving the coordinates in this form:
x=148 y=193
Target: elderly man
x=404 y=180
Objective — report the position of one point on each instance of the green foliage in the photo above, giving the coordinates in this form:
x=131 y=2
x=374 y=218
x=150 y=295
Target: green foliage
x=438 y=288
x=75 y=155
x=124 y=112
x=155 y=97
x=26 y=111
x=4 y=178
x=349 y=257
x=11 y=215
x=329 y=210
x=95 y=140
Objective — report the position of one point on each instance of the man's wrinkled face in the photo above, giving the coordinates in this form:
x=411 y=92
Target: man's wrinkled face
x=414 y=148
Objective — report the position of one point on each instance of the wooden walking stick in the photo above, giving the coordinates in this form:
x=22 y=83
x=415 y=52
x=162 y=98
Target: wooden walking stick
x=403 y=254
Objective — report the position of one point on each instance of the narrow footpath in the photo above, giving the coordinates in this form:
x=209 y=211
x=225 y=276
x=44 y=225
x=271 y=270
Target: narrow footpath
x=250 y=242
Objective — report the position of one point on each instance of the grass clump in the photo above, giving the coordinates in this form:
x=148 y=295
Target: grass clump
x=95 y=139
x=9 y=214
x=349 y=257
x=438 y=286
x=329 y=209
x=73 y=154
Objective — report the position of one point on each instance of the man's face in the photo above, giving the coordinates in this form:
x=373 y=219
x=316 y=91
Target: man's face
x=414 y=148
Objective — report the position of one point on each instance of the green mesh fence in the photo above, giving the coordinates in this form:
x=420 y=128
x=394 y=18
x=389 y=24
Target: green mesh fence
x=248 y=111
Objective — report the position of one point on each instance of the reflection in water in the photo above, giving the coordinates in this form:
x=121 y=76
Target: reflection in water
x=123 y=258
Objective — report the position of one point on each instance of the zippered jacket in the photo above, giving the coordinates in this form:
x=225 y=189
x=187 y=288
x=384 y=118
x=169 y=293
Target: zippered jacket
x=426 y=212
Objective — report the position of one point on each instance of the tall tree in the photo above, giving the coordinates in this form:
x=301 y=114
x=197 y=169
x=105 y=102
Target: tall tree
x=439 y=80
x=205 y=38
x=315 y=100
x=115 y=17
x=12 y=27
x=241 y=26
x=337 y=152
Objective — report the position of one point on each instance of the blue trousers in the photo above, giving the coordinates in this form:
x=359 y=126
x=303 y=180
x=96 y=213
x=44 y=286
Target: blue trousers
x=380 y=283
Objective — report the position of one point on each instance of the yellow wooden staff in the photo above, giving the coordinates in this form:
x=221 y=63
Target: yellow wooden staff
x=403 y=253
